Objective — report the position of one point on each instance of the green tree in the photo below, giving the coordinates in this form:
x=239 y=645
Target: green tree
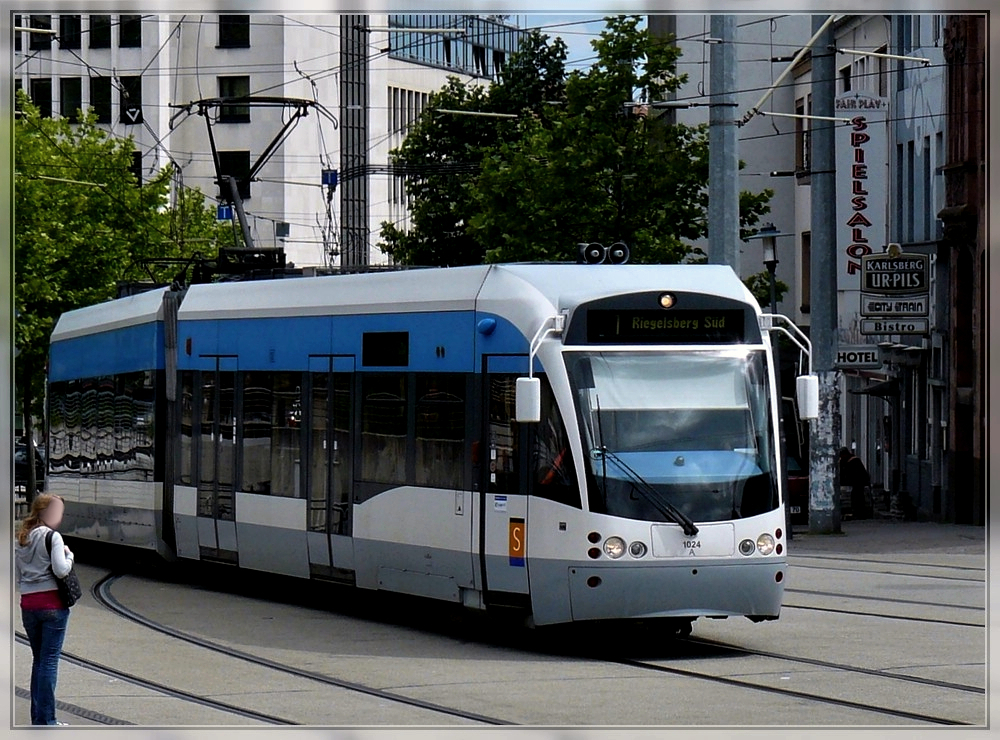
x=442 y=154
x=579 y=164
x=82 y=224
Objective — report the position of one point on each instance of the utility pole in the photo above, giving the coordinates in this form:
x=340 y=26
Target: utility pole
x=824 y=431
x=723 y=164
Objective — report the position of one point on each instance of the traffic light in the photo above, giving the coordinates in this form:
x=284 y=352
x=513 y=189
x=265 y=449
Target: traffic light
x=591 y=254
x=618 y=253
x=596 y=254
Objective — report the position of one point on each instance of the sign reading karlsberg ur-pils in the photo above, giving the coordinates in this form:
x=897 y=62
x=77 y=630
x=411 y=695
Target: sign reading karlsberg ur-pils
x=862 y=156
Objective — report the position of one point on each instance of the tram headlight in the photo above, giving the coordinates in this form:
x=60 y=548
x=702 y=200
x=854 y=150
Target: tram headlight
x=765 y=543
x=614 y=547
x=747 y=547
x=637 y=549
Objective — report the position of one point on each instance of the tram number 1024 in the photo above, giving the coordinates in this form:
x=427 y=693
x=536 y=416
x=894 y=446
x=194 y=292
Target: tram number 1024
x=691 y=544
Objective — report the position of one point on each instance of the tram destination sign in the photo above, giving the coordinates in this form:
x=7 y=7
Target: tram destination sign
x=886 y=275
x=684 y=326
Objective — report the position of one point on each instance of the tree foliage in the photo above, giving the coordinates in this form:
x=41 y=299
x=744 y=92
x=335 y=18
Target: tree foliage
x=82 y=224
x=580 y=163
x=442 y=154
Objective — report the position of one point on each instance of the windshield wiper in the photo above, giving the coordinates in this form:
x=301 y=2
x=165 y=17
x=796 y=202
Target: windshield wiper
x=600 y=441
x=652 y=495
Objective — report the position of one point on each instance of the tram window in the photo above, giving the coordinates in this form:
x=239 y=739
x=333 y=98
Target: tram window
x=503 y=436
x=383 y=428
x=286 y=435
x=206 y=446
x=186 y=456
x=227 y=445
x=553 y=476
x=60 y=431
x=88 y=426
x=440 y=430
x=255 y=454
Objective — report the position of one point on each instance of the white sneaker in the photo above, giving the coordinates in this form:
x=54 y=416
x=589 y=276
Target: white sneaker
x=62 y=724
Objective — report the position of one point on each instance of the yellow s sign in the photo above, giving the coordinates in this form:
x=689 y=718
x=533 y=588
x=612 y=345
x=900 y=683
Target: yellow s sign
x=516 y=540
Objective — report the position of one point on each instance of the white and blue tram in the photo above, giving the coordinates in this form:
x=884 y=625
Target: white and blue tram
x=365 y=428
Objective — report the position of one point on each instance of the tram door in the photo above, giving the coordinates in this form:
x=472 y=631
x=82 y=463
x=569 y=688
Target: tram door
x=217 y=462
x=329 y=473
x=504 y=505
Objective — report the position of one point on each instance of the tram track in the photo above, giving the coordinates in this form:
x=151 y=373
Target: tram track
x=880 y=615
x=101 y=591
x=870 y=571
x=145 y=683
x=791 y=693
x=818 y=662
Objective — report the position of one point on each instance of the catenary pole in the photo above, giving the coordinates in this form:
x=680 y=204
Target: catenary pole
x=723 y=185
x=824 y=431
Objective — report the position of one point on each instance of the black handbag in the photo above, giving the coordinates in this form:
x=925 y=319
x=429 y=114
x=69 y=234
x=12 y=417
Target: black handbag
x=69 y=587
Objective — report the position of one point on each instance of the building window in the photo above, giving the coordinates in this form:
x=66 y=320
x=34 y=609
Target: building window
x=499 y=59
x=805 y=280
x=100 y=98
x=845 y=78
x=69 y=31
x=100 y=32
x=883 y=74
x=130 y=31
x=236 y=164
x=40 y=41
x=234 y=87
x=479 y=59
x=41 y=95
x=136 y=168
x=130 y=100
x=70 y=98
x=17 y=34
x=911 y=234
x=234 y=31
x=803 y=147
x=928 y=208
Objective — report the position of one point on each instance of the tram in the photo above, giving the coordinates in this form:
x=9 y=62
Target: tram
x=582 y=442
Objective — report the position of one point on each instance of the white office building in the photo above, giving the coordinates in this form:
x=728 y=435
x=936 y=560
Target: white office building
x=159 y=78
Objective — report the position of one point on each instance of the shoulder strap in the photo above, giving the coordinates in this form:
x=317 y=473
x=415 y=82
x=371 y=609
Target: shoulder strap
x=48 y=541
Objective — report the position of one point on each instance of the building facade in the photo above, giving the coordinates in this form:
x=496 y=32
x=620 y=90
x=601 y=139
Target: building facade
x=917 y=416
x=145 y=76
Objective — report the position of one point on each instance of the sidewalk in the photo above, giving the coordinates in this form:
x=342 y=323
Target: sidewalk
x=892 y=536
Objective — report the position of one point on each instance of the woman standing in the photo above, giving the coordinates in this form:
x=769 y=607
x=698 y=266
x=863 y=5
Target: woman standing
x=42 y=610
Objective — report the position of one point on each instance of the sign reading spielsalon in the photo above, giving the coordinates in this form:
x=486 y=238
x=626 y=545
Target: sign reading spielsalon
x=862 y=183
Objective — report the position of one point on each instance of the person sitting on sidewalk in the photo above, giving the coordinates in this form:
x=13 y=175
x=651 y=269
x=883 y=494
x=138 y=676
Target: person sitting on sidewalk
x=853 y=473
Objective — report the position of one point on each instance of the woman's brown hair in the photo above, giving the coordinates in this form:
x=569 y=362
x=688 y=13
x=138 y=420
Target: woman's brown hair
x=34 y=518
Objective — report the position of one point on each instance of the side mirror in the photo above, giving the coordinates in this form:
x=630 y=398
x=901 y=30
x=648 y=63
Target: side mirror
x=807 y=394
x=528 y=400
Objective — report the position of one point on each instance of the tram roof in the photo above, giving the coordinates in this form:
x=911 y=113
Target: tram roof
x=451 y=289
x=520 y=291
x=133 y=310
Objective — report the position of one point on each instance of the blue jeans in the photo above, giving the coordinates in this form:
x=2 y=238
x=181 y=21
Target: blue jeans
x=46 y=629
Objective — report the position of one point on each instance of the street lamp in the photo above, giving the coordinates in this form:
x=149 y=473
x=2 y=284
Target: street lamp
x=768 y=235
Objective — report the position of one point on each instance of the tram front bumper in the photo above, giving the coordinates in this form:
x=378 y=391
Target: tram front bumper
x=680 y=589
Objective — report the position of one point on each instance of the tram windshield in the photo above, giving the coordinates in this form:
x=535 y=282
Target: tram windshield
x=694 y=427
